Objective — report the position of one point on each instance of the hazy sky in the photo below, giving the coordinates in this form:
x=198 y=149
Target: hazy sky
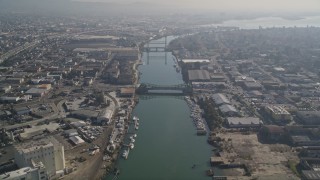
x=254 y=5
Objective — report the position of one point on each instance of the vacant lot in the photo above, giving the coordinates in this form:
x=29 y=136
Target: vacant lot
x=266 y=161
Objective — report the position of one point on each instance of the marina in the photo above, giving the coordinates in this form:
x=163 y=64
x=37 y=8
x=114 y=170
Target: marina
x=196 y=115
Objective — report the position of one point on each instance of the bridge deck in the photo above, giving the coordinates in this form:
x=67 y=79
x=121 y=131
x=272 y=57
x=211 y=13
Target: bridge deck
x=164 y=89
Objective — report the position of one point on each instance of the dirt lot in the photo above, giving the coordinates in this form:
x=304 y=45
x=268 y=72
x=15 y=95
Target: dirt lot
x=92 y=168
x=266 y=161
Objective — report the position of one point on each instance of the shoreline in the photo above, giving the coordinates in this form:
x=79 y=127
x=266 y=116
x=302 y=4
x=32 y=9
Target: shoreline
x=103 y=172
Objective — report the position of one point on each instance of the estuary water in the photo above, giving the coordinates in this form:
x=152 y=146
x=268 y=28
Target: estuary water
x=166 y=146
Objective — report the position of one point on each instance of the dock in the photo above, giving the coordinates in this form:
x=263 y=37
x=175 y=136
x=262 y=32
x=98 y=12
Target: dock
x=216 y=161
x=126 y=156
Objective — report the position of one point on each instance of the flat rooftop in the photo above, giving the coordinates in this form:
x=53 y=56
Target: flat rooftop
x=195 y=60
x=244 y=120
x=198 y=75
x=35 y=144
x=127 y=90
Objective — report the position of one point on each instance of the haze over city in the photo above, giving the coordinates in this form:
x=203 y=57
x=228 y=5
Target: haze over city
x=227 y=5
x=160 y=89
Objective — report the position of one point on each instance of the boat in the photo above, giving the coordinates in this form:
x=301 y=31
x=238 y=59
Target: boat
x=135 y=118
x=131 y=145
x=135 y=135
x=116 y=171
x=210 y=172
x=132 y=140
x=137 y=127
x=125 y=154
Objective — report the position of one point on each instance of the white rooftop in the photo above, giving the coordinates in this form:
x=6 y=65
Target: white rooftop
x=195 y=60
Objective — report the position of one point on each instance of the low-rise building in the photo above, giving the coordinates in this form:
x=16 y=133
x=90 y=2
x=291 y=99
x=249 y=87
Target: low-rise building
x=252 y=85
x=15 y=80
x=127 y=92
x=5 y=88
x=37 y=173
x=71 y=132
x=8 y=99
x=228 y=110
x=244 y=122
x=310 y=175
x=309 y=117
x=85 y=114
x=88 y=81
x=36 y=92
x=278 y=113
x=198 y=75
x=218 y=77
x=76 y=140
x=105 y=117
x=21 y=110
x=220 y=99
x=45 y=86
x=272 y=133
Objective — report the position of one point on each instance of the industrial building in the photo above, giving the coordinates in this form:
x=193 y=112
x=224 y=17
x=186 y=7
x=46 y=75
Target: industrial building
x=8 y=99
x=220 y=99
x=127 y=92
x=272 y=133
x=36 y=92
x=71 y=132
x=278 y=113
x=21 y=110
x=105 y=117
x=38 y=172
x=244 y=122
x=206 y=61
x=76 y=140
x=198 y=75
x=309 y=117
x=48 y=151
x=228 y=110
x=218 y=77
x=310 y=174
x=85 y=114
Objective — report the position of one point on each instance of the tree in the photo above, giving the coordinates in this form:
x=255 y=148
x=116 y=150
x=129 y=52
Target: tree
x=100 y=98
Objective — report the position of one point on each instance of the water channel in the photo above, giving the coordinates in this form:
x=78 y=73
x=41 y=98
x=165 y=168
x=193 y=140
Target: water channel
x=166 y=145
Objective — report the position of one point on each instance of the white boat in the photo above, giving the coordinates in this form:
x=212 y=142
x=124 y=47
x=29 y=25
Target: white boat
x=131 y=145
x=135 y=118
x=133 y=140
x=135 y=135
x=125 y=154
x=137 y=127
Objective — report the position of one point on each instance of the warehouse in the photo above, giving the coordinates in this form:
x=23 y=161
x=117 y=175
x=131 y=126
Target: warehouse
x=76 y=140
x=228 y=110
x=244 y=122
x=198 y=75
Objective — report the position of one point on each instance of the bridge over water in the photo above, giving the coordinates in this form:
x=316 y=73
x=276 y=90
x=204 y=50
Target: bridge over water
x=179 y=89
x=154 y=47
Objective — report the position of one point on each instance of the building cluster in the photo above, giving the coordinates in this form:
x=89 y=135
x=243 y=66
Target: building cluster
x=38 y=159
x=63 y=78
x=269 y=86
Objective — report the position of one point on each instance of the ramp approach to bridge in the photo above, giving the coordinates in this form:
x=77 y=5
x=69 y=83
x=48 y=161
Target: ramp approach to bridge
x=180 y=89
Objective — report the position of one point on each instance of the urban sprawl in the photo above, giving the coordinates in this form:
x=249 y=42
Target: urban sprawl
x=68 y=87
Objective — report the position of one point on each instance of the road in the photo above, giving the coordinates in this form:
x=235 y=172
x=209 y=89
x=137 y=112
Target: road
x=58 y=112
